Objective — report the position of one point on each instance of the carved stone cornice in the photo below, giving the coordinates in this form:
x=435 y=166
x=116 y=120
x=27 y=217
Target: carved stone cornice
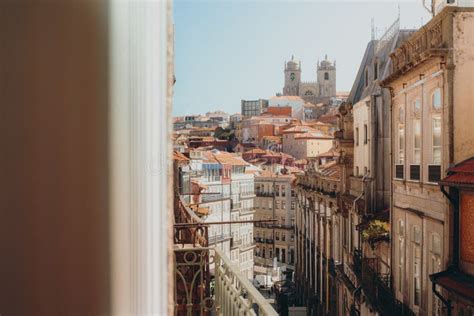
x=432 y=40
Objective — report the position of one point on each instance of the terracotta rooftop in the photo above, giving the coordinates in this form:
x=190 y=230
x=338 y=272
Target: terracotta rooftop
x=299 y=129
x=179 y=156
x=313 y=135
x=287 y=97
x=255 y=151
x=460 y=175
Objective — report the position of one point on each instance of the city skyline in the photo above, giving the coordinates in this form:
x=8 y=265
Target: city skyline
x=215 y=31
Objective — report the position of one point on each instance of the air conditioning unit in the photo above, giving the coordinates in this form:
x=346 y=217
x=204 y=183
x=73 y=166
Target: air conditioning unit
x=441 y=4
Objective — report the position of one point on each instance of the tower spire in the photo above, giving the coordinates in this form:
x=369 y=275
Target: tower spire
x=373 y=29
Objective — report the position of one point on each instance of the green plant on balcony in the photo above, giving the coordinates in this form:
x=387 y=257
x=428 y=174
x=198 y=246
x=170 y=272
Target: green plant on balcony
x=376 y=231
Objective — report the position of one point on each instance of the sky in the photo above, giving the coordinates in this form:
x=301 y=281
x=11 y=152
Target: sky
x=226 y=51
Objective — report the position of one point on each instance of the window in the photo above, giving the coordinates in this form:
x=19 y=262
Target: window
x=283 y=205
x=416 y=241
x=283 y=189
x=357 y=171
x=357 y=136
x=436 y=147
x=434 y=267
x=417 y=105
x=376 y=70
x=401 y=254
x=401 y=114
x=436 y=99
x=326 y=76
x=416 y=142
x=366 y=77
x=365 y=133
x=401 y=144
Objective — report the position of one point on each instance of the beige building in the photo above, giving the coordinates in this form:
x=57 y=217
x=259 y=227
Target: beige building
x=432 y=98
x=305 y=142
x=275 y=200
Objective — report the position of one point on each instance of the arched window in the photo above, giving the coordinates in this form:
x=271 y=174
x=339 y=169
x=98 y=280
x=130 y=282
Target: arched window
x=401 y=113
x=326 y=76
x=436 y=99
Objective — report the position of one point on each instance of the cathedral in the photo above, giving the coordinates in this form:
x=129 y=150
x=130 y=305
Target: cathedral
x=319 y=91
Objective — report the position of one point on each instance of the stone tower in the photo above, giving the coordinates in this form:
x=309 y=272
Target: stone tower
x=292 y=77
x=326 y=74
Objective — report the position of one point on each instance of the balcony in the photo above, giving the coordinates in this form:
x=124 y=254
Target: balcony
x=357 y=263
x=232 y=294
x=263 y=194
x=234 y=243
x=206 y=283
x=211 y=197
x=247 y=195
x=377 y=290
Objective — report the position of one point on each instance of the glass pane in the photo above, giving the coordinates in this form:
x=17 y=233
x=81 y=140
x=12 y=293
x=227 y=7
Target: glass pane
x=436 y=100
x=437 y=155
x=417 y=105
x=436 y=132
x=417 y=156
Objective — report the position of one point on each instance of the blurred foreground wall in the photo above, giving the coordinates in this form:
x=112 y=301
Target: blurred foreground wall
x=53 y=158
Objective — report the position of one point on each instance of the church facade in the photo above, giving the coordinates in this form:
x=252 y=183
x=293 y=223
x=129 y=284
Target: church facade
x=319 y=91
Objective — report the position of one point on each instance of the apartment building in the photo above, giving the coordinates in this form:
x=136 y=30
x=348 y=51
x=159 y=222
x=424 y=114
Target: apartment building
x=275 y=202
x=432 y=96
x=242 y=196
x=253 y=107
x=304 y=142
x=365 y=248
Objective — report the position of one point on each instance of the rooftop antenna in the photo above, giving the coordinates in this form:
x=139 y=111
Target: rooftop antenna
x=373 y=28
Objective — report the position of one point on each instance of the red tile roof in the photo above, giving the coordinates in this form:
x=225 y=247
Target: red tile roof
x=460 y=175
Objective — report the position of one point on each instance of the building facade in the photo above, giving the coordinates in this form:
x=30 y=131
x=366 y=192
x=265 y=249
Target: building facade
x=253 y=107
x=432 y=99
x=275 y=240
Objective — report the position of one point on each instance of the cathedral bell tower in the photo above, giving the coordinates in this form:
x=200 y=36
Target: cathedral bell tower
x=292 y=77
x=326 y=74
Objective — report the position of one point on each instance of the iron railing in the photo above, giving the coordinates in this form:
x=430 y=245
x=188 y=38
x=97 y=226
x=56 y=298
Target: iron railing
x=376 y=287
x=208 y=284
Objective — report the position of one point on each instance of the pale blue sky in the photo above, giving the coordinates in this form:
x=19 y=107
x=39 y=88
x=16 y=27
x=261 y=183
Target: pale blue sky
x=226 y=51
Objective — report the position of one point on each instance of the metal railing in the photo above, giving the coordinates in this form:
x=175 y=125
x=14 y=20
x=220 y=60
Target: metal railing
x=233 y=294
x=206 y=283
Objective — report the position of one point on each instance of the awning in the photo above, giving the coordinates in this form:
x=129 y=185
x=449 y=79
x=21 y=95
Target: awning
x=461 y=175
x=455 y=281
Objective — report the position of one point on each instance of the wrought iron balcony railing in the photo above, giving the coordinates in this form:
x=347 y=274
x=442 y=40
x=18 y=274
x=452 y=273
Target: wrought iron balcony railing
x=208 y=284
x=377 y=290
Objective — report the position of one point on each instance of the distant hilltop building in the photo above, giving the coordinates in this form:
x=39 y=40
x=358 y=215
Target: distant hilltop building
x=321 y=90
